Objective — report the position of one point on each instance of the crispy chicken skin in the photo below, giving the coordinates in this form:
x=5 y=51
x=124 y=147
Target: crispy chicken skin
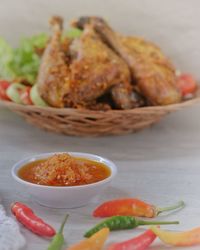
x=92 y=69
x=153 y=73
x=54 y=76
x=96 y=69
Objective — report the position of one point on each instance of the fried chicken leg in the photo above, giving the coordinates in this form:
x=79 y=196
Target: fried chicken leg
x=96 y=69
x=153 y=73
x=54 y=75
x=92 y=69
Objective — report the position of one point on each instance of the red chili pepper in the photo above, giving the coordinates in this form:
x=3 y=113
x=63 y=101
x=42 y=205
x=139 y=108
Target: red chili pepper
x=3 y=87
x=187 y=84
x=131 y=207
x=141 y=242
x=26 y=216
x=25 y=96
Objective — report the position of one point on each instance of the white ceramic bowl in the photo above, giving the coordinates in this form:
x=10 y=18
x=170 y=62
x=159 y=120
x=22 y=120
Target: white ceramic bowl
x=64 y=197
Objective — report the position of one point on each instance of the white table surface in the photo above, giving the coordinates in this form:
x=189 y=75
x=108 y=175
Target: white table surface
x=160 y=165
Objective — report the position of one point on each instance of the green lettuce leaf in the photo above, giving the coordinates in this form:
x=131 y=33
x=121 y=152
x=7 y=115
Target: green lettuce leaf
x=6 y=57
x=73 y=33
x=22 y=62
x=25 y=62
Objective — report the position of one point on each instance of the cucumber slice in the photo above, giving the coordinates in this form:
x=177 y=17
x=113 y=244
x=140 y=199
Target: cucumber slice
x=13 y=92
x=36 y=98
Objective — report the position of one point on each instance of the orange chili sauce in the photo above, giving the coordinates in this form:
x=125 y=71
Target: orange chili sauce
x=98 y=171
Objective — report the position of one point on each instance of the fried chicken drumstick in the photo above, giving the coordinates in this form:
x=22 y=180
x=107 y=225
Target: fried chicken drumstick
x=151 y=70
x=90 y=70
x=54 y=76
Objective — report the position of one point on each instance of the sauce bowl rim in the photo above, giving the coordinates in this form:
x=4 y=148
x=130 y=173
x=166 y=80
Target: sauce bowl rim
x=110 y=164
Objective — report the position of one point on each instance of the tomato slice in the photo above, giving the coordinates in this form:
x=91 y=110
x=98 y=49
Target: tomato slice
x=3 y=87
x=25 y=96
x=187 y=84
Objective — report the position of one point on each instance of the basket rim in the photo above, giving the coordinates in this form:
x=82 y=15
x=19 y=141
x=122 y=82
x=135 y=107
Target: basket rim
x=170 y=107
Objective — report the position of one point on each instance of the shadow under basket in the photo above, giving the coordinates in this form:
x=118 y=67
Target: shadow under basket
x=78 y=122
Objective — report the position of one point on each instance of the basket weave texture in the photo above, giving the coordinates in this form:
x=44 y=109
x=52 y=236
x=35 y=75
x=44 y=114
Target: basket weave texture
x=94 y=123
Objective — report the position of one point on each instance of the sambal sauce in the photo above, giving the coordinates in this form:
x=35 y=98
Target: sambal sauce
x=64 y=170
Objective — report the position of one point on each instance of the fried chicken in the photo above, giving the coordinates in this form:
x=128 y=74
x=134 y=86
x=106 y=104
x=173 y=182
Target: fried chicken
x=92 y=70
x=96 y=69
x=54 y=76
x=151 y=70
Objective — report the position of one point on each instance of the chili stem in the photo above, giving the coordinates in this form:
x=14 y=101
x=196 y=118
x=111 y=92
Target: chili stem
x=180 y=204
x=63 y=224
x=142 y=223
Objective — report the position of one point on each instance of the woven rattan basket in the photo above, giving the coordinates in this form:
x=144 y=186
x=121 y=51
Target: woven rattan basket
x=94 y=123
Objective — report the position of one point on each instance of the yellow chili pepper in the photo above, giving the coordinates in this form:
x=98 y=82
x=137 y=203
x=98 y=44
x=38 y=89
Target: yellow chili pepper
x=95 y=242
x=187 y=238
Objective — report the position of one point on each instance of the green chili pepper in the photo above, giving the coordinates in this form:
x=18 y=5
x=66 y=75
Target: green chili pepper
x=58 y=239
x=124 y=222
